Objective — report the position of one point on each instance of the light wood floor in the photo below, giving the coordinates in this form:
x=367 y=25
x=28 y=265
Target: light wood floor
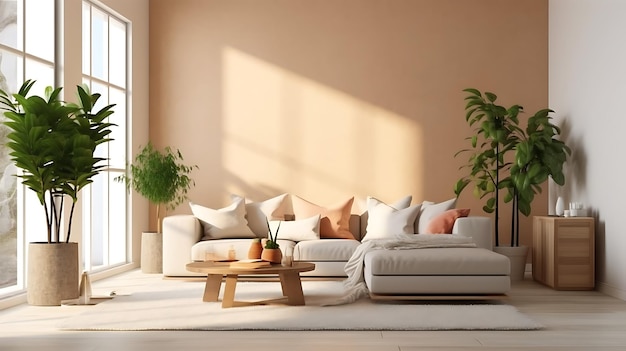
x=575 y=321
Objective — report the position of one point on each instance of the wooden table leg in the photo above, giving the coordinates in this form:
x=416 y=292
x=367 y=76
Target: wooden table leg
x=229 y=291
x=292 y=288
x=212 y=287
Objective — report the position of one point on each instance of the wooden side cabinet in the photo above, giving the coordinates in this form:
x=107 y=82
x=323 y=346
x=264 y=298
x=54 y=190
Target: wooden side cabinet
x=564 y=252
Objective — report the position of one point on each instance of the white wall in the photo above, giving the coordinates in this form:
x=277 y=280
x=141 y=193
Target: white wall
x=587 y=88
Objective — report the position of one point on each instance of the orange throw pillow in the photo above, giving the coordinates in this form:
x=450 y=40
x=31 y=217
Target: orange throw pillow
x=334 y=221
x=443 y=223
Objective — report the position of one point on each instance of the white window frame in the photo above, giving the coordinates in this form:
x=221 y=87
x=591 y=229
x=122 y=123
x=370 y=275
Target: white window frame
x=87 y=195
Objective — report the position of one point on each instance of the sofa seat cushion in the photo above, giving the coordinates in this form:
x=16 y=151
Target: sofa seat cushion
x=325 y=250
x=219 y=248
x=436 y=261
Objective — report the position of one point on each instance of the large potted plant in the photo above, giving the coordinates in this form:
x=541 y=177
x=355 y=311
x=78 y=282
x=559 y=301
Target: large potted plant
x=54 y=142
x=163 y=179
x=504 y=156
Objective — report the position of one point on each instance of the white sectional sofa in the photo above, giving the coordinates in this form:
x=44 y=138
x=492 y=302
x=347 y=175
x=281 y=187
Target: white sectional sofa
x=449 y=270
x=182 y=244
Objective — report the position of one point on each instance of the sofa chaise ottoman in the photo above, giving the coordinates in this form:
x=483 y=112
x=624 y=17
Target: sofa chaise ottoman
x=436 y=271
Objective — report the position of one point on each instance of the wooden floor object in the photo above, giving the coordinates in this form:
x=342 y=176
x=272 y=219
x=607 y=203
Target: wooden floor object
x=289 y=277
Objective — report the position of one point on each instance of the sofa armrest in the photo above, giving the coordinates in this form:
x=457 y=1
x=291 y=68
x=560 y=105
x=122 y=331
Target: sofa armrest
x=477 y=227
x=180 y=233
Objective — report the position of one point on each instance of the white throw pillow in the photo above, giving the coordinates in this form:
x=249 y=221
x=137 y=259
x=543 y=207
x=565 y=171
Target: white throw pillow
x=298 y=230
x=258 y=213
x=431 y=210
x=228 y=222
x=387 y=221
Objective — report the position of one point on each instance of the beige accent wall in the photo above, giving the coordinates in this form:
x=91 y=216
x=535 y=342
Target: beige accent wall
x=330 y=99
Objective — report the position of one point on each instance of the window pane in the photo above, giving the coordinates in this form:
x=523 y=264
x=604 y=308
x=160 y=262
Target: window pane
x=8 y=218
x=22 y=217
x=117 y=57
x=117 y=219
x=86 y=38
x=44 y=74
x=8 y=181
x=99 y=44
x=99 y=220
x=11 y=72
x=102 y=150
x=11 y=21
x=103 y=90
x=117 y=147
x=35 y=218
x=40 y=29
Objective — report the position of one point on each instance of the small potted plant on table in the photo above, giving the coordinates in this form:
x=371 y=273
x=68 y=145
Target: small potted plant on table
x=271 y=250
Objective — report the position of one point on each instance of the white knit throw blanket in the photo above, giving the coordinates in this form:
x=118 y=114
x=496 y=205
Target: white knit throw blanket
x=354 y=285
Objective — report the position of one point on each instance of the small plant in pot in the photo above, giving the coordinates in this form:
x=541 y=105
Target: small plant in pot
x=53 y=142
x=504 y=156
x=271 y=249
x=164 y=180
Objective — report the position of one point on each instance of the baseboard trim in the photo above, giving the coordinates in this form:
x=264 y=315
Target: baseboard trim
x=12 y=301
x=112 y=271
x=611 y=290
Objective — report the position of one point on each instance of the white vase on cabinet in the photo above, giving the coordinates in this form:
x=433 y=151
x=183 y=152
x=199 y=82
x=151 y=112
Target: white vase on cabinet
x=559 y=209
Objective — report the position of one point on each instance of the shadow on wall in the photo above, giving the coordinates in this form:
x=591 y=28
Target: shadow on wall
x=575 y=169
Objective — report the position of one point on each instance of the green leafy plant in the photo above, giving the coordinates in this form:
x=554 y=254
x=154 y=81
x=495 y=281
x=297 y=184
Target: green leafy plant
x=539 y=155
x=272 y=240
x=503 y=156
x=54 y=143
x=160 y=177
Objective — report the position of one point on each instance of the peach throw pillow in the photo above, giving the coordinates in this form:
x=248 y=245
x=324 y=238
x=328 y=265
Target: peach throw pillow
x=443 y=223
x=334 y=220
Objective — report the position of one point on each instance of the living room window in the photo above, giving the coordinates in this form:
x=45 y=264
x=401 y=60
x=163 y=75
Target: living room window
x=27 y=51
x=105 y=71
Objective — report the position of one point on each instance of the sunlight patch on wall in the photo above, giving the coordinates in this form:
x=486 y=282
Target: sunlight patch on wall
x=287 y=133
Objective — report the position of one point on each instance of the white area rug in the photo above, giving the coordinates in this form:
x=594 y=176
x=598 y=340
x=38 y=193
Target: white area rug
x=177 y=305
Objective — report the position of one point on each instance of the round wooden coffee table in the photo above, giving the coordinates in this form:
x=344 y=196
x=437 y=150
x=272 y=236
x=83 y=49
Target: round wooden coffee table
x=289 y=281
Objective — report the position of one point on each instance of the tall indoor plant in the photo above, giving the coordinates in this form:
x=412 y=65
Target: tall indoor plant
x=54 y=143
x=538 y=155
x=505 y=156
x=160 y=177
x=492 y=141
x=163 y=179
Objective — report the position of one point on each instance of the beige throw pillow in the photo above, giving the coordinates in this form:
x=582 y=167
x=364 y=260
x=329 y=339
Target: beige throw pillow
x=258 y=213
x=224 y=223
x=334 y=220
